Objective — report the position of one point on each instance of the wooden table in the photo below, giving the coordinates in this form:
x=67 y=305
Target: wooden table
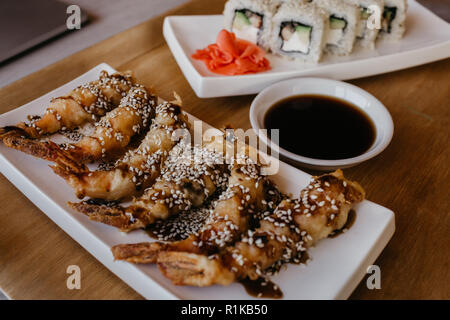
x=411 y=176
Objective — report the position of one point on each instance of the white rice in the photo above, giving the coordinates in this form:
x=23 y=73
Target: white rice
x=398 y=24
x=306 y=14
x=365 y=36
x=265 y=8
x=341 y=43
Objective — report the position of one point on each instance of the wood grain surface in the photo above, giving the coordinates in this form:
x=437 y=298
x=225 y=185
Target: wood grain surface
x=411 y=176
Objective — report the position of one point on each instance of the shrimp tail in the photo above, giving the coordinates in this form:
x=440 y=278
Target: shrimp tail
x=21 y=128
x=7 y=131
x=192 y=269
x=72 y=175
x=3 y=130
x=66 y=164
x=143 y=252
x=115 y=216
x=64 y=173
x=16 y=138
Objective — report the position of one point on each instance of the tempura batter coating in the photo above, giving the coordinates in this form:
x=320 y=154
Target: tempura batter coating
x=189 y=177
x=247 y=193
x=281 y=237
x=138 y=169
x=86 y=103
x=112 y=133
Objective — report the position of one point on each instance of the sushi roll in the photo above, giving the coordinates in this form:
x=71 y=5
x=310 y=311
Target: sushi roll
x=251 y=19
x=394 y=16
x=365 y=36
x=344 y=18
x=298 y=31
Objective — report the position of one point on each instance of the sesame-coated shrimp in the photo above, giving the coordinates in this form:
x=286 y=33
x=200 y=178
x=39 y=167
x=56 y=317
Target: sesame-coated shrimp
x=111 y=135
x=247 y=194
x=114 y=130
x=138 y=168
x=189 y=177
x=86 y=103
x=282 y=237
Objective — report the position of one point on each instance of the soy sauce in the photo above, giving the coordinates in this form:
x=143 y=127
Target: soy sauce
x=321 y=127
x=262 y=288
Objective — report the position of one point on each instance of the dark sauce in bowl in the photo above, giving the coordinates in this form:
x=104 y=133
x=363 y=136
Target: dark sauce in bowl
x=321 y=127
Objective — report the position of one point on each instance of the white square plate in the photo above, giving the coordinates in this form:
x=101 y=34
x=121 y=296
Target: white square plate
x=337 y=265
x=427 y=39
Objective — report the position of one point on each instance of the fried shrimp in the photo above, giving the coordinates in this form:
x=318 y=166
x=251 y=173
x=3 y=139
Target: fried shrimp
x=189 y=177
x=247 y=194
x=114 y=130
x=137 y=169
x=86 y=103
x=282 y=236
x=111 y=135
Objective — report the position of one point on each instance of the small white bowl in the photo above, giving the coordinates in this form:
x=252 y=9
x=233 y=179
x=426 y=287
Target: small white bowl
x=376 y=111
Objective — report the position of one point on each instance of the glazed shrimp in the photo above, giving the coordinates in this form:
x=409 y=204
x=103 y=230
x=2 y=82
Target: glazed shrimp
x=114 y=130
x=138 y=169
x=248 y=193
x=282 y=236
x=112 y=133
x=189 y=177
x=86 y=103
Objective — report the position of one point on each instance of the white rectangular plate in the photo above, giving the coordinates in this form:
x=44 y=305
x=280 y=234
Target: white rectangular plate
x=337 y=265
x=427 y=39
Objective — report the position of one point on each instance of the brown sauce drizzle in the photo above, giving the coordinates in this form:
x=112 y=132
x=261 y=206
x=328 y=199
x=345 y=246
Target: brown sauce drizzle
x=33 y=117
x=102 y=202
x=181 y=226
x=151 y=233
x=303 y=259
x=162 y=229
x=350 y=221
x=262 y=288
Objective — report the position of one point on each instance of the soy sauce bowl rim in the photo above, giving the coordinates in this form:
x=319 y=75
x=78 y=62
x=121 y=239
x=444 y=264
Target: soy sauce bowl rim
x=384 y=125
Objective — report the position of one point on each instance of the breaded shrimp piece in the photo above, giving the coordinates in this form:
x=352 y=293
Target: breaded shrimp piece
x=281 y=237
x=85 y=103
x=135 y=171
x=247 y=193
x=111 y=135
x=114 y=131
x=189 y=177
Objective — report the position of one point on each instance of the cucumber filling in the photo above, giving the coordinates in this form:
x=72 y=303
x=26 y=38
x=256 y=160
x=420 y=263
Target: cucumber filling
x=362 y=25
x=247 y=24
x=365 y=13
x=296 y=37
x=337 y=28
x=389 y=14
